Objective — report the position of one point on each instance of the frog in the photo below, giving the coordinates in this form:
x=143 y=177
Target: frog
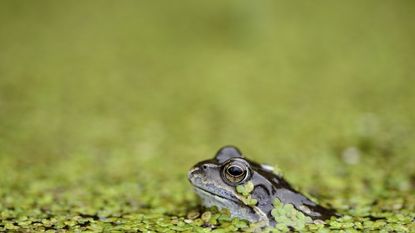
x=220 y=180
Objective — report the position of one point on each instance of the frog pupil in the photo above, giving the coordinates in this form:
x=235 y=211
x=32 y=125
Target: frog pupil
x=235 y=171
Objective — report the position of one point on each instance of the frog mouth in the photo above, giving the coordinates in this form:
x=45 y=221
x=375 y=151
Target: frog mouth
x=215 y=195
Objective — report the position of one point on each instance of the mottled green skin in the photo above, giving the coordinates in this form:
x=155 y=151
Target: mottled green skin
x=211 y=186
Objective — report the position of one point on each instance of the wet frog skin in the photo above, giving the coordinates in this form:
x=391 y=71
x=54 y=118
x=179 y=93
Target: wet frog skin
x=248 y=189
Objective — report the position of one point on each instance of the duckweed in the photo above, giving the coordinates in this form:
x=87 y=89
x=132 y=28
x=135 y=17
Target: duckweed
x=286 y=215
x=245 y=190
x=105 y=106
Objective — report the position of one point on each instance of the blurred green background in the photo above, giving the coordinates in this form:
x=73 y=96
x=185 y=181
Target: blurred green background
x=105 y=105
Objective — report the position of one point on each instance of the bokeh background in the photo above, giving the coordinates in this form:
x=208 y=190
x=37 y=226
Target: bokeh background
x=105 y=105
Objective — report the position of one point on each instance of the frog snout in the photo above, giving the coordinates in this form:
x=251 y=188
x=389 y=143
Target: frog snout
x=191 y=172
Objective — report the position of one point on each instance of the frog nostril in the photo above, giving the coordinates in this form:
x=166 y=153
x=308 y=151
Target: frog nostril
x=204 y=167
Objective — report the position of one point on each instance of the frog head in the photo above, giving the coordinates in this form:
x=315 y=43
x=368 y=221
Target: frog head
x=216 y=181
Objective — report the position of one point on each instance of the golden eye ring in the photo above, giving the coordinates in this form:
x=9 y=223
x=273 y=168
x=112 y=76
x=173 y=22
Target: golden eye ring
x=235 y=172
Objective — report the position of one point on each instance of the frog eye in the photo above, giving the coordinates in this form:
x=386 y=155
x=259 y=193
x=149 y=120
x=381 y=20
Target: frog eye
x=235 y=173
